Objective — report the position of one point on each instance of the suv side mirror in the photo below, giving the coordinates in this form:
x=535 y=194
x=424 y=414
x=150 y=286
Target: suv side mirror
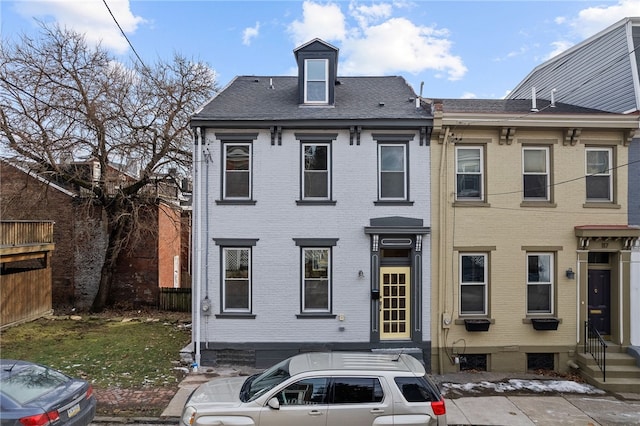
x=274 y=403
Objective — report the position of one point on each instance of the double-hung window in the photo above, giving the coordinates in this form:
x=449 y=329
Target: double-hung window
x=316 y=173
x=237 y=171
x=473 y=283
x=540 y=276
x=316 y=285
x=316 y=81
x=315 y=276
x=599 y=180
x=469 y=173
x=236 y=288
x=535 y=173
x=392 y=169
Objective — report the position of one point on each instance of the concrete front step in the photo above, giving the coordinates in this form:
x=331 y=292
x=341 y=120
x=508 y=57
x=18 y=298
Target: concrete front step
x=616 y=385
x=613 y=371
x=613 y=358
x=622 y=374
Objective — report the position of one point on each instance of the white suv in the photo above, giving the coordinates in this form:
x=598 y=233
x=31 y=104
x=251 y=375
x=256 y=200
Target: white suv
x=323 y=388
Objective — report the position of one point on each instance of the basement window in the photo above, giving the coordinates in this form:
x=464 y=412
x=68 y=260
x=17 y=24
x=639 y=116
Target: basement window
x=473 y=362
x=540 y=362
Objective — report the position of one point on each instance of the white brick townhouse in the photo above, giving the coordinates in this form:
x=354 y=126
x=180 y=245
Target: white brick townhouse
x=311 y=215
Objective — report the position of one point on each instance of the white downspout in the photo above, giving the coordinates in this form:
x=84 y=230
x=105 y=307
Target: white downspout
x=634 y=306
x=442 y=246
x=621 y=312
x=197 y=237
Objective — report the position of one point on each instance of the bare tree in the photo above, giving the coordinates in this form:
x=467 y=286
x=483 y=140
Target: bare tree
x=62 y=101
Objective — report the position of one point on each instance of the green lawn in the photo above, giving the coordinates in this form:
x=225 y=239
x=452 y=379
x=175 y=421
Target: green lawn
x=125 y=352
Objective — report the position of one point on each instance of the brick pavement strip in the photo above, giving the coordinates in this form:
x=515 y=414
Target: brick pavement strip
x=113 y=400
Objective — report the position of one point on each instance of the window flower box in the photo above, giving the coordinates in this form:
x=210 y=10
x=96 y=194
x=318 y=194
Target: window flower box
x=545 y=323
x=477 y=324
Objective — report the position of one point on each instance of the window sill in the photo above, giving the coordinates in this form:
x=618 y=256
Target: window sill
x=531 y=203
x=316 y=105
x=460 y=320
x=470 y=203
x=527 y=320
x=600 y=205
x=392 y=203
x=236 y=202
x=235 y=315
x=316 y=202
x=316 y=315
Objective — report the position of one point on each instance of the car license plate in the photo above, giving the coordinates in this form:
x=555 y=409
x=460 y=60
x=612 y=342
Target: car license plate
x=73 y=410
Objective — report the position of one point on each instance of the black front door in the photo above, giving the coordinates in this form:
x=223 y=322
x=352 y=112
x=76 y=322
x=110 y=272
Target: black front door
x=600 y=300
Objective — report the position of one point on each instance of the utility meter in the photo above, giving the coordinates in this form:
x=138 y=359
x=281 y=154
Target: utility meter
x=205 y=306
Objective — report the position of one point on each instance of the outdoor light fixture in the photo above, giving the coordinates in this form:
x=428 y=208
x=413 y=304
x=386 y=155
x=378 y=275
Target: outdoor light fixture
x=360 y=274
x=570 y=274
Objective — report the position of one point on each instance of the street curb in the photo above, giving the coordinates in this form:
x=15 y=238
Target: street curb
x=137 y=420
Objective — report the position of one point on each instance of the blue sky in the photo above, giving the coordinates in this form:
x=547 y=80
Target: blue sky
x=459 y=49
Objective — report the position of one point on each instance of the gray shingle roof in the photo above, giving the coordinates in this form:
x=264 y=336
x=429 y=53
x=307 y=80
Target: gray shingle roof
x=357 y=98
x=512 y=106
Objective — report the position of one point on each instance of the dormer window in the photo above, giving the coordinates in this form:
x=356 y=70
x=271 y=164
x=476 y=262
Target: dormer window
x=317 y=70
x=316 y=87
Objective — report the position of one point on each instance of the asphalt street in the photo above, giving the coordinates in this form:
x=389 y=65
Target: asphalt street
x=507 y=408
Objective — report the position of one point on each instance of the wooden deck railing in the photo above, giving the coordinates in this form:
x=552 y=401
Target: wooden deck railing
x=25 y=232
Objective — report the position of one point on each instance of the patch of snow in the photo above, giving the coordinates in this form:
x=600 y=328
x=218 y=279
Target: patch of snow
x=558 y=386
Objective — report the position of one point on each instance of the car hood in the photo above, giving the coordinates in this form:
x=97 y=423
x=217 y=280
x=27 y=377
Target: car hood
x=221 y=390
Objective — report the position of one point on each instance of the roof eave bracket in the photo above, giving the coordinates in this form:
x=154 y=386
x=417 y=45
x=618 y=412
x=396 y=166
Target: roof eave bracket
x=506 y=135
x=572 y=136
x=276 y=135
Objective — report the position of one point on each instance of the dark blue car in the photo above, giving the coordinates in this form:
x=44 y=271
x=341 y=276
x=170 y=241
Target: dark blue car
x=35 y=395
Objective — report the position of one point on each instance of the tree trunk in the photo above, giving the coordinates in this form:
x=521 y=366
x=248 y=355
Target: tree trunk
x=119 y=225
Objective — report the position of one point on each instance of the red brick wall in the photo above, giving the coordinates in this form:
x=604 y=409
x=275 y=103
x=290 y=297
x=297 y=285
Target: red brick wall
x=169 y=239
x=23 y=197
x=136 y=274
x=80 y=243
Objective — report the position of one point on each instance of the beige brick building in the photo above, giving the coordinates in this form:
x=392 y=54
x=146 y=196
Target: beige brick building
x=529 y=233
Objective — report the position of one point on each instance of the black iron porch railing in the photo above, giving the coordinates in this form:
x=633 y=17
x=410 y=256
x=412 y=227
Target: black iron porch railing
x=596 y=346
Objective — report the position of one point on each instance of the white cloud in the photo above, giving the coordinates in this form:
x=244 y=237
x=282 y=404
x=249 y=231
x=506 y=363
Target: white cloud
x=250 y=33
x=592 y=20
x=89 y=17
x=365 y=15
x=469 y=95
x=558 y=47
x=318 y=21
x=378 y=44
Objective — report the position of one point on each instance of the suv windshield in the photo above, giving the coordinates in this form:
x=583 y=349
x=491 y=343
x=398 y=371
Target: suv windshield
x=256 y=385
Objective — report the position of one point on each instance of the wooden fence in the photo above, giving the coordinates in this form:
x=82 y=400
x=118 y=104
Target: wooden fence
x=175 y=299
x=25 y=232
x=25 y=270
x=25 y=296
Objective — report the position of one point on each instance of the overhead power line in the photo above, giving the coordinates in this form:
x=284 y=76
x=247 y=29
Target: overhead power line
x=570 y=180
x=124 y=35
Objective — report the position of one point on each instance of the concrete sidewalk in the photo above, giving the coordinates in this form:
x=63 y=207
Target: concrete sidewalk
x=186 y=387
x=526 y=410
x=542 y=410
